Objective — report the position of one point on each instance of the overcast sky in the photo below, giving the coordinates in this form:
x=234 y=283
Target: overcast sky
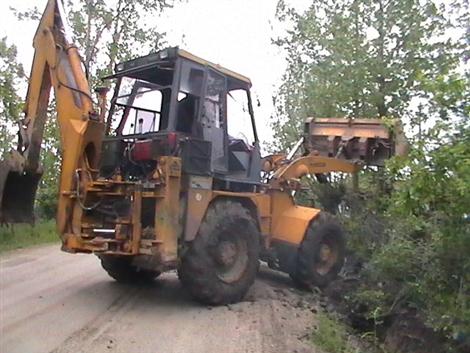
x=236 y=34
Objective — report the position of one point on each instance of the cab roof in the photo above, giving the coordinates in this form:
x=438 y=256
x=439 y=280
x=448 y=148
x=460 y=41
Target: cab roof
x=168 y=55
x=185 y=54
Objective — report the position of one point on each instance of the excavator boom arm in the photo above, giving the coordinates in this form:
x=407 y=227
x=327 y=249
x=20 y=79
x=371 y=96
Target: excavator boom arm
x=56 y=65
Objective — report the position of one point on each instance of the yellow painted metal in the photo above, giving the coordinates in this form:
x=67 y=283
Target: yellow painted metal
x=217 y=67
x=167 y=214
x=289 y=221
x=292 y=224
x=57 y=65
x=311 y=164
x=277 y=215
x=263 y=206
x=136 y=219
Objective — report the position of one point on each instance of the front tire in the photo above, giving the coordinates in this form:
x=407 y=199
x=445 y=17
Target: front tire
x=321 y=254
x=121 y=269
x=221 y=263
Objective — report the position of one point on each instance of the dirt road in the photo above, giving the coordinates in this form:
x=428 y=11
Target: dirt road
x=56 y=302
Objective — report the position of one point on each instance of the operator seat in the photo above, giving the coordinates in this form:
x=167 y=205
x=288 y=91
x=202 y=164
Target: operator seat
x=186 y=112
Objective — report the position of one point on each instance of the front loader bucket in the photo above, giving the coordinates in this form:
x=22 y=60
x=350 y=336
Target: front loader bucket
x=368 y=140
x=17 y=194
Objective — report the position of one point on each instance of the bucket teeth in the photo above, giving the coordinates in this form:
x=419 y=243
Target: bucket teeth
x=368 y=140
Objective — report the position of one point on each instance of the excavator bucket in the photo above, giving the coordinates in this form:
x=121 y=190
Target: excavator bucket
x=17 y=194
x=368 y=140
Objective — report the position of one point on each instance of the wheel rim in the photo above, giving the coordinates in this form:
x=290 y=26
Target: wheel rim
x=231 y=258
x=327 y=257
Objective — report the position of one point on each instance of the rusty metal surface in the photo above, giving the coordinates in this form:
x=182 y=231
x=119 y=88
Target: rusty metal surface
x=167 y=214
x=371 y=141
x=136 y=220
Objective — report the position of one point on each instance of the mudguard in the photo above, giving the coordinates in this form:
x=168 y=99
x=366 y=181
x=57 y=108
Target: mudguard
x=291 y=225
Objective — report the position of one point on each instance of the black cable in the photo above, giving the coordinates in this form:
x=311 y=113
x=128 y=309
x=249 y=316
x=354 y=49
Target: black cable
x=77 y=90
x=66 y=85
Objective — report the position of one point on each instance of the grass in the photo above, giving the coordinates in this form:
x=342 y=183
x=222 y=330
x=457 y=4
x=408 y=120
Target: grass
x=331 y=335
x=21 y=235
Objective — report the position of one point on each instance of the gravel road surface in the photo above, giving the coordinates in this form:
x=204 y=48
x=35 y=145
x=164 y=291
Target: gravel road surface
x=51 y=301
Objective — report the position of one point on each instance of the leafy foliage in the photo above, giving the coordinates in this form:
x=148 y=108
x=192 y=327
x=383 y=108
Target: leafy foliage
x=362 y=58
x=46 y=200
x=431 y=206
x=409 y=225
x=331 y=335
x=109 y=33
x=11 y=77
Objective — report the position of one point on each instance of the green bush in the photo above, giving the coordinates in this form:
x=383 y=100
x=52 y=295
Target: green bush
x=422 y=259
x=331 y=335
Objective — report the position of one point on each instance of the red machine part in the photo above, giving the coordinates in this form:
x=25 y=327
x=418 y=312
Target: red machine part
x=142 y=150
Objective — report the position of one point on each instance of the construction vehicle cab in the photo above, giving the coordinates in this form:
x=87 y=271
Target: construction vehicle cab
x=172 y=102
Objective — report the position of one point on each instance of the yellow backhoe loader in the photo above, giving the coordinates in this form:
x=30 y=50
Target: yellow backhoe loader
x=171 y=176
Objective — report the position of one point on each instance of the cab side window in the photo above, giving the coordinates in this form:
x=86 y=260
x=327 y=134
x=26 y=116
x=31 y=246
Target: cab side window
x=239 y=124
x=188 y=99
x=213 y=109
x=213 y=119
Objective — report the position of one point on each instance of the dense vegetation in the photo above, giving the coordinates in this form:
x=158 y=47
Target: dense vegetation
x=409 y=226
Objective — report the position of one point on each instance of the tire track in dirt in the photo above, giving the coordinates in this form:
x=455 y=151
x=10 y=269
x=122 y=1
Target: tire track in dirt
x=75 y=307
x=83 y=338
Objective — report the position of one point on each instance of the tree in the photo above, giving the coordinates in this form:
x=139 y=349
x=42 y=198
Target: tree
x=401 y=59
x=362 y=58
x=11 y=77
x=109 y=32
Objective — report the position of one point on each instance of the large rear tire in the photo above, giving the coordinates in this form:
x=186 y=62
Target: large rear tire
x=121 y=269
x=321 y=255
x=221 y=263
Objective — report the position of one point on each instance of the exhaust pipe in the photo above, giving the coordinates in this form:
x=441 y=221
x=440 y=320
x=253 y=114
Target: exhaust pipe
x=17 y=194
